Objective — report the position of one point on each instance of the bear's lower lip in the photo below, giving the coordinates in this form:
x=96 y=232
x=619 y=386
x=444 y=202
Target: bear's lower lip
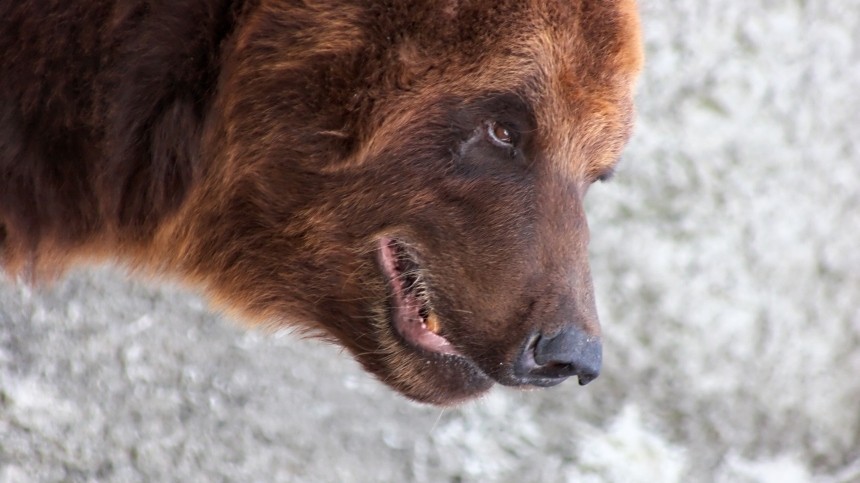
x=411 y=312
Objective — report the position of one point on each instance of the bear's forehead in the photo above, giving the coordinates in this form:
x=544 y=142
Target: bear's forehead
x=586 y=35
x=574 y=62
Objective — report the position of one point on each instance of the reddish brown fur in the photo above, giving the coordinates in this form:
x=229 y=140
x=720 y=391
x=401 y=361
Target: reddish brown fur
x=259 y=149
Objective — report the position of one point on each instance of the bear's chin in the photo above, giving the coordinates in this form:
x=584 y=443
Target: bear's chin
x=426 y=377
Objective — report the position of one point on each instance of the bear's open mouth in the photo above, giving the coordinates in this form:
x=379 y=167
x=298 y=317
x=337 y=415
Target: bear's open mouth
x=412 y=314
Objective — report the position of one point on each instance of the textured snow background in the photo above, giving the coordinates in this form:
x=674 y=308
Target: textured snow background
x=727 y=262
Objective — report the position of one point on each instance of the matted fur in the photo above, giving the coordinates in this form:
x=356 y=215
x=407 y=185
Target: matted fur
x=260 y=149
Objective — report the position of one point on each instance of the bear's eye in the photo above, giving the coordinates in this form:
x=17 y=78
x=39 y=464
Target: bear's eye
x=606 y=175
x=500 y=134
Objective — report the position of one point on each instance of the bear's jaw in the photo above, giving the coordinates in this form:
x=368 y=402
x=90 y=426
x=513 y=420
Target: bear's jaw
x=412 y=316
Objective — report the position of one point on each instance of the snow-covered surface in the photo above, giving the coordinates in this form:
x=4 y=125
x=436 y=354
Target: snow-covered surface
x=727 y=263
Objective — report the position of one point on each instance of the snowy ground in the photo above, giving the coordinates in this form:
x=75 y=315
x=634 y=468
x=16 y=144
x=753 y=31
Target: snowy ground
x=728 y=274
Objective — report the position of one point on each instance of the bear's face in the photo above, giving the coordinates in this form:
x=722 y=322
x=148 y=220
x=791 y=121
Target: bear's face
x=410 y=183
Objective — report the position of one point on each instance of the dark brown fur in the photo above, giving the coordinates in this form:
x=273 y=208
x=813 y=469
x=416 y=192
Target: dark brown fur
x=259 y=149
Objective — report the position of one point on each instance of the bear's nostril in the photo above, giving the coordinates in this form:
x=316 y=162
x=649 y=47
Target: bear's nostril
x=558 y=366
x=549 y=360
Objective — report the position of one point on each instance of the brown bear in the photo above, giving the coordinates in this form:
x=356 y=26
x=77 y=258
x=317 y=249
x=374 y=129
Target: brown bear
x=402 y=177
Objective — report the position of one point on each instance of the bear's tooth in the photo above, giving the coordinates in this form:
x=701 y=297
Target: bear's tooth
x=432 y=323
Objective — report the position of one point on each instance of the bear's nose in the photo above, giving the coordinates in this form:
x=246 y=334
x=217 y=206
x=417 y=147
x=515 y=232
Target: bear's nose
x=550 y=359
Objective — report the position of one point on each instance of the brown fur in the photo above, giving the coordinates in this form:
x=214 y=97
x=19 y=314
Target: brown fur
x=259 y=149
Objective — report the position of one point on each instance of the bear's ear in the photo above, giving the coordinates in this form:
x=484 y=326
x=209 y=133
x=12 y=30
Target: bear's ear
x=156 y=97
x=151 y=165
